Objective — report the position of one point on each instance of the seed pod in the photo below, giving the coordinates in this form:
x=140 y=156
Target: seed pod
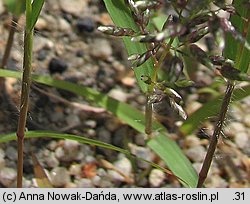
x=116 y=31
x=177 y=108
x=232 y=73
x=147 y=4
x=159 y=37
x=145 y=18
x=197 y=35
x=200 y=55
x=217 y=60
x=138 y=60
x=171 y=93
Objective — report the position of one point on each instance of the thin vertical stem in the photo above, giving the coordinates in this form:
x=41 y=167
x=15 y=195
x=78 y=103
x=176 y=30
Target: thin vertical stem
x=9 y=42
x=26 y=82
x=214 y=139
x=148 y=116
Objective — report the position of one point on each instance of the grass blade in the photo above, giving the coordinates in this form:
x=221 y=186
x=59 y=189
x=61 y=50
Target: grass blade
x=39 y=172
x=121 y=16
x=234 y=49
x=210 y=109
x=132 y=117
x=36 y=9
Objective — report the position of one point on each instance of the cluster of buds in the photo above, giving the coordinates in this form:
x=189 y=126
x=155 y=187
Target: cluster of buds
x=116 y=31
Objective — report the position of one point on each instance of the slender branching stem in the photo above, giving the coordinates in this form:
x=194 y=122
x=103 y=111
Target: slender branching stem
x=9 y=42
x=217 y=131
x=26 y=83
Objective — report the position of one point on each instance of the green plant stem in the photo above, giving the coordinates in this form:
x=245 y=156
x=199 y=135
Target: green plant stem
x=9 y=42
x=215 y=137
x=26 y=82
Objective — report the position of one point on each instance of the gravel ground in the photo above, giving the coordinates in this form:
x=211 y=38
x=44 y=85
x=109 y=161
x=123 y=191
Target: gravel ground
x=67 y=46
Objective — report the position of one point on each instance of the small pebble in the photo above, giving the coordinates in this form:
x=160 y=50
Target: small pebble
x=246 y=120
x=64 y=25
x=85 y=25
x=42 y=54
x=101 y=48
x=112 y=124
x=234 y=128
x=79 y=53
x=84 y=183
x=118 y=94
x=104 y=135
x=241 y=139
x=75 y=170
x=156 y=177
x=42 y=43
x=51 y=160
x=141 y=152
x=59 y=176
x=41 y=24
x=75 y=7
x=11 y=153
x=70 y=145
x=73 y=120
x=56 y=65
x=7 y=176
x=196 y=153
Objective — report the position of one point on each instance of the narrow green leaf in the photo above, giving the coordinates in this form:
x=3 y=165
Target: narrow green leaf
x=210 y=109
x=234 y=49
x=163 y=146
x=81 y=139
x=131 y=116
x=121 y=16
x=36 y=9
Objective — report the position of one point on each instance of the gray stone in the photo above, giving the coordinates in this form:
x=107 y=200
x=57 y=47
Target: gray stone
x=84 y=183
x=104 y=135
x=75 y=7
x=41 y=43
x=100 y=48
x=57 y=116
x=142 y=152
x=73 y=120
x=118 y=94
x=246 y=120
x=75 y=170
x=11 y=153
x=112 y=124
x=196 y=153
x=156 y=177
x=234 y=128
x=90 y=123
x=70 y=145
x=64 y=26
x=51 y=160
x=59 y=176
x=241 y=140
x=7 y=176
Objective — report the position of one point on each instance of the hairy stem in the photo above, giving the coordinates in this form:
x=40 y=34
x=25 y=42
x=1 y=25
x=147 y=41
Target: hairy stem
x=214 y=139
x=26 y=82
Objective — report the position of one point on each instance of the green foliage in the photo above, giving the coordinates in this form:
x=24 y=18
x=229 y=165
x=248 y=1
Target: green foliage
x=121 y=16
x=132 y=117
x=16 y=7
x=234 y=49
